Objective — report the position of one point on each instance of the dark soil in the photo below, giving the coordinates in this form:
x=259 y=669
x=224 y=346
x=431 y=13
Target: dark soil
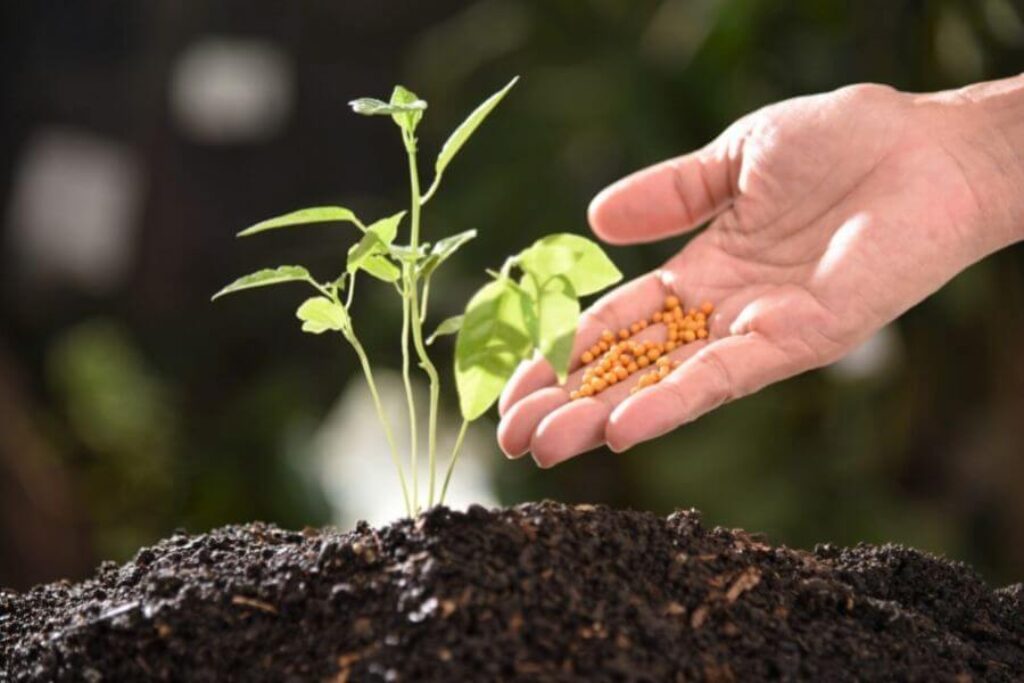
x=535 y=593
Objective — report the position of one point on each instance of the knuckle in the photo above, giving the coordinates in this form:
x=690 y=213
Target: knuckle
x=865 y=92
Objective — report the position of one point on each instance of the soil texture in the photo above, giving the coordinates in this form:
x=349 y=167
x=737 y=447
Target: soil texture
x=539 y=592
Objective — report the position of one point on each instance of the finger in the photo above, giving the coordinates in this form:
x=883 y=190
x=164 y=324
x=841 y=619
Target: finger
x=580 y=426
x=724 y=370
x=552 y=443
x=614 y=311
x=668 y=198
x=518 y=424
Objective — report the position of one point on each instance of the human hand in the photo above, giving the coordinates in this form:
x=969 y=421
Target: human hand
x=832 y=215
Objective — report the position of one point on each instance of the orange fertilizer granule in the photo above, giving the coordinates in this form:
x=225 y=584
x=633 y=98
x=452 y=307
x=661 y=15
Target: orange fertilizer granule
x=615 y=357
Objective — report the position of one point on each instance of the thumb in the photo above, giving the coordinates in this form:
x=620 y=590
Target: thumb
x=668 y=198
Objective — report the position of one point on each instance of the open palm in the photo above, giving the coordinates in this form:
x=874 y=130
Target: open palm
x=832 y=215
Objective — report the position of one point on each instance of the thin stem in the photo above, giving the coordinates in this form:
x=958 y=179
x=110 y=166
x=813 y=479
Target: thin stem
x=382 y=416
x=433 y=188
x=351 y=291
x=320 y=288
x=417 y=323
x=453 y=460
x=424 y=300
x=435 y=395
x=410 y=400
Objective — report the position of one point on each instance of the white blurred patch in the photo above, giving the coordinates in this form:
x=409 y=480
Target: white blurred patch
x=226 y=90
x=73 y=210
x=356 y=471
x=874 y=358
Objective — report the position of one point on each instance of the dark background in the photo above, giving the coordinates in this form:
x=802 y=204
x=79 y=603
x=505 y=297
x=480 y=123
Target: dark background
x=138 y=137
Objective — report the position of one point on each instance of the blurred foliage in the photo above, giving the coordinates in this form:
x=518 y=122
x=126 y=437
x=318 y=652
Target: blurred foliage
x=171 y=411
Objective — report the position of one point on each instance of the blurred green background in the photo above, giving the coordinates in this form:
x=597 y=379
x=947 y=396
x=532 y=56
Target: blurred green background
x=138 y=137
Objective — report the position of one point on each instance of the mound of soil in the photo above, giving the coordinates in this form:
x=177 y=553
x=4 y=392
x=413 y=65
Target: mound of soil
x=537 y=592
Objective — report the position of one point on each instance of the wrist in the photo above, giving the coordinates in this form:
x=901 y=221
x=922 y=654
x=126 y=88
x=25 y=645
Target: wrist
x=985 y=134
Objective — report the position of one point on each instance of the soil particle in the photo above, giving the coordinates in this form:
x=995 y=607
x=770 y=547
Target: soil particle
x=537 y=592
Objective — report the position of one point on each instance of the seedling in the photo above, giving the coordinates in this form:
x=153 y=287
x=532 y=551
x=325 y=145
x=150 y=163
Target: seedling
x=531 y=305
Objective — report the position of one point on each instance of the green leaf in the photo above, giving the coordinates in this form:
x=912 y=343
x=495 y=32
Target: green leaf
x=265 y=278
x=319 y=314
x=362 y=250
x=461 y=134
x=405 y=254
x=546 y=261
x=406 y=120
x=387 y=228
x=443 y=249
x=381 y=268
x=370 y=106
x=497 y=333
x=591 y=269
x=558 y=312
x=367 y=253
x=316 y=214
x=448 y=326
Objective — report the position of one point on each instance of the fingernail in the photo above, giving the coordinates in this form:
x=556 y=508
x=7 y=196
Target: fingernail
x=619 y=447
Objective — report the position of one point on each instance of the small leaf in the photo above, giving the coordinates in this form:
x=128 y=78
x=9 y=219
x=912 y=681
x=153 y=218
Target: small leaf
x=381 y=268
x=404 y=252
x=370 y=106
x=319 y=314
x=443 y=249
x=387 y=228
x=362 y=250
x=448 y=326
x=591 y=271
x=558 y=312
x=265 y=278
x=496 y=334
x=375 y=242
x=406 y=120
x=461 y=134
x=316 y=214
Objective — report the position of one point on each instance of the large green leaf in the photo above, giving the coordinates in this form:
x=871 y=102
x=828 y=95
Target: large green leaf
x=558 y=312
x=587 y=267
x=407 y=120
x=443 y=249
x=265 y=278
x=545 y=261
x=497 y=333
x=319 y=314
x=316 y=214
x=448 y=326
x=461 y=134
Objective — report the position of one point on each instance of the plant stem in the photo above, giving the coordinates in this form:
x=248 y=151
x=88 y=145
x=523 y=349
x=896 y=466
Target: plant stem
x=351 y=292
x=410 y=400
x=424 y=300
x=412 y=294
x=453 y=460
x=430 y=192
x=382 y=416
